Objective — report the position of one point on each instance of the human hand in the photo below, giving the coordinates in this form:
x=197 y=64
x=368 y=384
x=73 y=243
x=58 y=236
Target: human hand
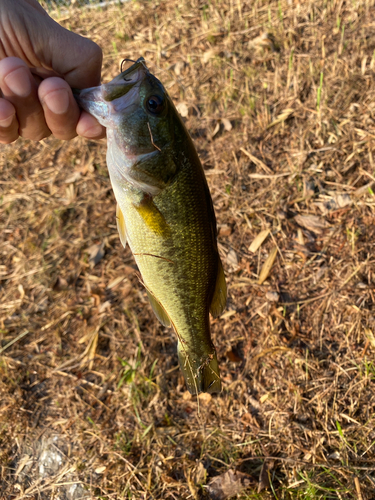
x=39 y=63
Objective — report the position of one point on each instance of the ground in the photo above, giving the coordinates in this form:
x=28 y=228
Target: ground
x=279 y=99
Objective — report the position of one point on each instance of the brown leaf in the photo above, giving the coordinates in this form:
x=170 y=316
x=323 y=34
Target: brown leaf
x=200 y=474
x=247 y=419
x=264 y=478
x=225 y=230
x=312 y=223
x=227 y=124
x=209 y=54
x=258 y=240
x=232 y=258
x=96 y=253
x=216 y=130
x=60 y=284
x=186 y=396
x=228 y=484
x=179 y=66
x=205 y=398
x=114 y=283
x=272 y=296
x=183 y=109
x=339 y=200
x=232 y=356
x=267 y=266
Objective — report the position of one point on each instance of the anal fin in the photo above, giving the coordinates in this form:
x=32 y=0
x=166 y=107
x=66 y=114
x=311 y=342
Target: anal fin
x=219 y=299
x=121 y=228
x=158 y=310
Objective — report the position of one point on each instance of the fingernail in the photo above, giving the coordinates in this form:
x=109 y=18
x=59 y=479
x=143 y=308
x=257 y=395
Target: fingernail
x=18 y=82
x=57 y=101
x=93 y=131
x=6 y=122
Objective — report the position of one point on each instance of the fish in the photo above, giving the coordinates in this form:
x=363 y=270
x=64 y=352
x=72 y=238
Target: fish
x=164 y=213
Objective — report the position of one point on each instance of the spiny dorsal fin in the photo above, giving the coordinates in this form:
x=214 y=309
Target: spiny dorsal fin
x=219 y=299
x=158 y=310
x=121 y=225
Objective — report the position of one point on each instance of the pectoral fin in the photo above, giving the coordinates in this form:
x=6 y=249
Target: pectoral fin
x=121 y=225
x=152 y=217
x=219 y=299
x=158 y=310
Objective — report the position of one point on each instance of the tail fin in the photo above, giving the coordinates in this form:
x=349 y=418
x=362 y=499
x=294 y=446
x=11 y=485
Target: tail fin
x=200 y=375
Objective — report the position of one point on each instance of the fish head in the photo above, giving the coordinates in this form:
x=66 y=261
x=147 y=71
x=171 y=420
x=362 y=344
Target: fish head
x=135 y=108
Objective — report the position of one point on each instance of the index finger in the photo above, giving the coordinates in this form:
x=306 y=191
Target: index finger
x=61 y=111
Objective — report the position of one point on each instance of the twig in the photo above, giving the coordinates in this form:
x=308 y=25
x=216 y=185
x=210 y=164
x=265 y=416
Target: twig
x=14 y=340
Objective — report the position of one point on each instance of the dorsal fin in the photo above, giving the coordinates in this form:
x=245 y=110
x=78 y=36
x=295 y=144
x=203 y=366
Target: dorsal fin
x=158 y=310
x=219 y=299
x=121 y=228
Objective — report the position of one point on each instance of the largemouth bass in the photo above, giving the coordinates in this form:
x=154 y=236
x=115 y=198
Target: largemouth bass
x=164 y=212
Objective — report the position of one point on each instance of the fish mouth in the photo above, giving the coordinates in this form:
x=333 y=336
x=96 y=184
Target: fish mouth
x=125 y=81
x=118 y=96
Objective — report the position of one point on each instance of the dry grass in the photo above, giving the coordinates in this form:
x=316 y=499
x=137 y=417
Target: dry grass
x=285 y=127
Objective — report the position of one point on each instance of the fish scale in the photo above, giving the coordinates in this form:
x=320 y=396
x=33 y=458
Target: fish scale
x=165 y=213
x=179 y=285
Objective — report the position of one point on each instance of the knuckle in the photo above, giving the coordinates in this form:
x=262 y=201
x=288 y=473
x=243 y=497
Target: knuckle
x=96 y=51
x=35 y=136
x=37 y=132
x=40 y=136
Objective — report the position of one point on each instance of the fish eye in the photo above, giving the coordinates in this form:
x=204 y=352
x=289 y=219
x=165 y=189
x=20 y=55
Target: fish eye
x=155 y=104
